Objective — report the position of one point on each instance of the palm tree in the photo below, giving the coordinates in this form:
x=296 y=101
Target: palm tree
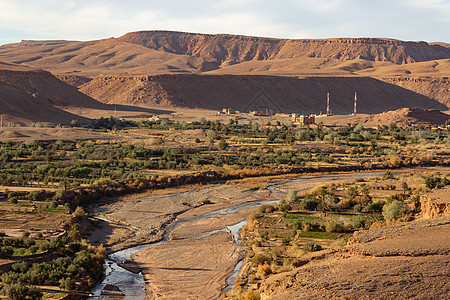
x=75 y=232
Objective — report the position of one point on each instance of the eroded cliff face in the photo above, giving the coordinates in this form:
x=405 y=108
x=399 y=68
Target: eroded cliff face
x=436 y=204
x=432 y=87
x=221 y=47
x=245 y=93
x=46 y=88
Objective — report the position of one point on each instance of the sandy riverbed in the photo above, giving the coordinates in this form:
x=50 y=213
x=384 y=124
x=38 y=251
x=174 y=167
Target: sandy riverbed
x=191 y=265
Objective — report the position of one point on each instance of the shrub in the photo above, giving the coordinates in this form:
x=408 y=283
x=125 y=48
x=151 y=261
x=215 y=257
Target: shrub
x=67 y=284
x=6 y=251
x=44 y=246
x=252 y=295
x=311 y=247
x=265 y=270
x=79 y=212
x=309 y=203
x=394 y=210
x=266 y=208
x=436 y=182
x=20 y=291
x=59 y=195
x=357 y=208
x=83 y=259
x=261 y=258
x=33 y=249
x=359 y=222
x=375 y=206
x=291 y=196
x=334 y=226
x=285 y=208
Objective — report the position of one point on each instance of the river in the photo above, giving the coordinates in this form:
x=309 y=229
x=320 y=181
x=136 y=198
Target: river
x=132 y=284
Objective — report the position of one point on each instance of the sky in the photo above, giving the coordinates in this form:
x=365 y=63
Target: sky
x=416 y=20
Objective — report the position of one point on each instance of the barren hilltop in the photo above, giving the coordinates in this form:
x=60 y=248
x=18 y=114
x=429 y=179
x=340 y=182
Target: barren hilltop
x=160 y=52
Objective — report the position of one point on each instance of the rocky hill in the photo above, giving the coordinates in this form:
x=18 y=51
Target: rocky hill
x=32 y=95
x=279 y=94
x=162 y=52
x=221 y=48
x=406 y=117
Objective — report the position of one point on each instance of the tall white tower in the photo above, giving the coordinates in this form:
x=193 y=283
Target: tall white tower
x=328 y=105
x=354 y=106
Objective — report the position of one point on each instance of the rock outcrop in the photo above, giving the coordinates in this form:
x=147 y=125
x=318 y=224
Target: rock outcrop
x=436 y=203
x=222 y=47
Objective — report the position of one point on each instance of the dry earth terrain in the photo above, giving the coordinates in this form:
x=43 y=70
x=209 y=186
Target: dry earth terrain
x=405 y=260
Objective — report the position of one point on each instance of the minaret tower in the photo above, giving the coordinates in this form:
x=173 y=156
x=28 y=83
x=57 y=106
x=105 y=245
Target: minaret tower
x=354 y=106
x=328 y=105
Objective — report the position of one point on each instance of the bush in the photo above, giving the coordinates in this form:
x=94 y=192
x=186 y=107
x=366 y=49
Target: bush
x=252 y=295
x=357 y=208
x=67 y=284
x=394 y=210
x=311 y=247
x=266 y=208
x=375 y=206
x=359 y=222
x=261 y=258
x=334 y=226
x=436 y=182
x=44 y=246
x=285 y=208
x=21 y=292
x=6 y=251
x=265 y=270
x=309 y=203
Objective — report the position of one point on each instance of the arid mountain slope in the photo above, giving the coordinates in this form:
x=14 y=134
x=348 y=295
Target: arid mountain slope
x=162 y=52
x=437 y=88
x=31 y=95
x=419 y=67
x=221 y=47
x=406 y=117
x=286 y=94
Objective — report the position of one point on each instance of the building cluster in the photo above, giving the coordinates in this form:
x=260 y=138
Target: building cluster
x=228 y=111
x=303 y=120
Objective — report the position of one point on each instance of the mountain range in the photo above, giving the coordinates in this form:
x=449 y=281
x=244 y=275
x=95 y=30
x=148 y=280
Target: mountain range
x=173 y=69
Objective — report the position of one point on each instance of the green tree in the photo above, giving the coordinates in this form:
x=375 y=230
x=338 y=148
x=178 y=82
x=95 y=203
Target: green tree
x=21 y=292
x=394 y=210
x=75 y=232
x=223 y=145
